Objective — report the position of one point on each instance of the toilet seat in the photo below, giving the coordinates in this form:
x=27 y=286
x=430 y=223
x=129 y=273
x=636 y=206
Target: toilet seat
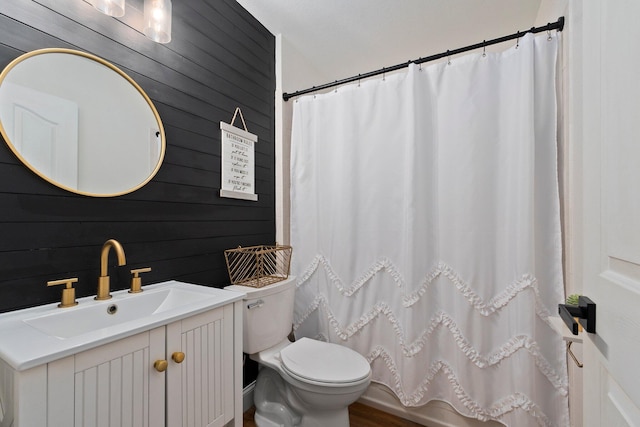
x=323 y=363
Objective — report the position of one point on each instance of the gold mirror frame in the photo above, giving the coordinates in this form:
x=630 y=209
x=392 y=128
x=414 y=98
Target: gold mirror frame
x=159 y=131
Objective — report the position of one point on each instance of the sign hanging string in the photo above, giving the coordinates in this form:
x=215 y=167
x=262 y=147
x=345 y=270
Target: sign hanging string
x=238 y=110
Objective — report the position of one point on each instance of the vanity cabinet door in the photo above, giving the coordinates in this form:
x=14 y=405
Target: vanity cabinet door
x=111 y=385
x=200 y=389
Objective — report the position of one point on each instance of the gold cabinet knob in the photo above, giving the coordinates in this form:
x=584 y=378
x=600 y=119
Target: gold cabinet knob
x=178 y=356
x=160 y=365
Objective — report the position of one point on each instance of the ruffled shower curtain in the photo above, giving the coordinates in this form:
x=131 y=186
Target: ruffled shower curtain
x=425 y=223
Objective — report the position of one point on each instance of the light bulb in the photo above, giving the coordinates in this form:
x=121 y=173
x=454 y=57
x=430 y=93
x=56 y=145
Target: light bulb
x=158 y=14
x=157 y=20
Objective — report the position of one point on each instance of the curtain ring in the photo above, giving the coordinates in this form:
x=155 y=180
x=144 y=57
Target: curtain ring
x=518 y=40
x=384 y=76
x=549 y=34
x=484 y=48
x=358 y=79
x=448 y=58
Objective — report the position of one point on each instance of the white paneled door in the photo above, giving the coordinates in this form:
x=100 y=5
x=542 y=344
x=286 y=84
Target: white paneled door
x=44 y=129
x=606 y=103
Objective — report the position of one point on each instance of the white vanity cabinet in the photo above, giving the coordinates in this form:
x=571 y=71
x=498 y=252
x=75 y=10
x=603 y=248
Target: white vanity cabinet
x=201 y=388
x=117 y=384
x=111 y=385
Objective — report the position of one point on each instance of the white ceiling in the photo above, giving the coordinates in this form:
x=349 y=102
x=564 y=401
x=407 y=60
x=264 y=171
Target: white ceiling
x=355 y=36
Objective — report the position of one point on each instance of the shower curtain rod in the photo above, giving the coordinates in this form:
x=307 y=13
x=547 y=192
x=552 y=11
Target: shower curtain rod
x=558 y=25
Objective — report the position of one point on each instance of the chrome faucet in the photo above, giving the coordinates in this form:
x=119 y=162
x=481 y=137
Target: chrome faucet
x=104 y=287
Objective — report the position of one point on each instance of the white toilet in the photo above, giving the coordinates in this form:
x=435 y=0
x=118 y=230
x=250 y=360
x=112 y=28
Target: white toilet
x=306 y=383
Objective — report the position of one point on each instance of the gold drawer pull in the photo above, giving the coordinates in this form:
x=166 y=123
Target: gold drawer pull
x=178 y=356
x=160 y=365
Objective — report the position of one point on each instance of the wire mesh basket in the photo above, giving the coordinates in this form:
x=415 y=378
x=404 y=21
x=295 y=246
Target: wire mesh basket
x=258 y=266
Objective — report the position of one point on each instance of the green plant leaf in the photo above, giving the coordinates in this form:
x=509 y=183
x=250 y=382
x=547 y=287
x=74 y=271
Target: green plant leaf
x=572 y=299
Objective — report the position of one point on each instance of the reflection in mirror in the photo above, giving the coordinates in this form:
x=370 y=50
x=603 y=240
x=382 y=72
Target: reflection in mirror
x=80 y=123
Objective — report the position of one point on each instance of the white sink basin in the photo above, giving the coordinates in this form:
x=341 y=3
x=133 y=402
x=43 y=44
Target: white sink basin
x=42 y=334
x=105 y=314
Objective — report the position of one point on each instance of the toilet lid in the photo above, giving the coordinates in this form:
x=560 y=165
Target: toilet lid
x=324 y=362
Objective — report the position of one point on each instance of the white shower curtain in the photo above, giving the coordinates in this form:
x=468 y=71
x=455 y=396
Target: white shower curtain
x=425 y=223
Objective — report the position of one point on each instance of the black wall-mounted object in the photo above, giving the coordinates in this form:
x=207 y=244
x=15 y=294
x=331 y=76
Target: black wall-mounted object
x=585 y=311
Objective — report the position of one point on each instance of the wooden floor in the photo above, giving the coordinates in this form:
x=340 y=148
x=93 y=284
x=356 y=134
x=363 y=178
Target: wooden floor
x=359 y=416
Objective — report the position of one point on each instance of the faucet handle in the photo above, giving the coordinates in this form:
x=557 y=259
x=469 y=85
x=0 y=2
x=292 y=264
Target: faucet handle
x=136 y=280
x=68 y=293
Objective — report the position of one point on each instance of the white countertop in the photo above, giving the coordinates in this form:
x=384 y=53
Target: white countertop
x=24 y=346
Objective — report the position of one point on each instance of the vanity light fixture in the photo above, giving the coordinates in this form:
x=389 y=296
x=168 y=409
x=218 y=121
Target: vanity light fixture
x=110 y=7
x=157 y=20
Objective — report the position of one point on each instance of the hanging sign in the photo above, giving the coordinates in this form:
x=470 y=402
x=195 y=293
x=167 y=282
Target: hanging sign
x=238 y=161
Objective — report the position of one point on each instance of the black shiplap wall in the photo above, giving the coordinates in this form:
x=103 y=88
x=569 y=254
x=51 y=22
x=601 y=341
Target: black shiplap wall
x=219 y=58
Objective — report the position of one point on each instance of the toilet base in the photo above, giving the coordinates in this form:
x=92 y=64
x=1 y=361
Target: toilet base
x=269 y=398
x=308 y=420
x=262 y=421
x=274 y=406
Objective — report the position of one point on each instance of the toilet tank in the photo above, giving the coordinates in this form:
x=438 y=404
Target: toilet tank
x=267 y=315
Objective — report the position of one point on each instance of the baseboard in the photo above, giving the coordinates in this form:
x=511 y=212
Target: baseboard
x=434 y=414
x=247 y=396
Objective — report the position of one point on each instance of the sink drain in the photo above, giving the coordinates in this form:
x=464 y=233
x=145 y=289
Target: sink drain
x=112 y=309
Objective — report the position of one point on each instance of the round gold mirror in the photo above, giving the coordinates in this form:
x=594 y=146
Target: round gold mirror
x=80 y=123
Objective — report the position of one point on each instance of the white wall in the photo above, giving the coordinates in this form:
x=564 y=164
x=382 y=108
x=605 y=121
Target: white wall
x=293 y=72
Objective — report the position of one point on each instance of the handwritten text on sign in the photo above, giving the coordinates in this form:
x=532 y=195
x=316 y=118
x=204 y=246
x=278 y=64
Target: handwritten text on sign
x=238 y=164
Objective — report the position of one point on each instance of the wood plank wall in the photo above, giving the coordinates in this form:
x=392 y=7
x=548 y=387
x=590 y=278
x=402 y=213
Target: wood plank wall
x=219 y=58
